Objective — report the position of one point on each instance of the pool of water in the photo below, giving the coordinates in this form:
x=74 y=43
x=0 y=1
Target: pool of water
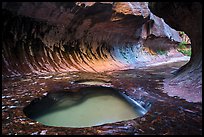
x=86 y=108
x=92 y=82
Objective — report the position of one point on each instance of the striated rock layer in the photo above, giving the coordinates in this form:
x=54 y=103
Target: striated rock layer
x=94 y=37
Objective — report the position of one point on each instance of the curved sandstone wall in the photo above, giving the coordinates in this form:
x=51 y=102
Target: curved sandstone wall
x=60 y=37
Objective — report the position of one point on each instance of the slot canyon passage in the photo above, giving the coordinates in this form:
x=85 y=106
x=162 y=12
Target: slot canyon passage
x=54 y=50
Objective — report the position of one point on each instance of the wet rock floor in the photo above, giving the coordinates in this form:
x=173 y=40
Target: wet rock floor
x=167 y=115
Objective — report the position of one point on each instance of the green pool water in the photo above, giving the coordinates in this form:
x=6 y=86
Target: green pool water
x=95 y=108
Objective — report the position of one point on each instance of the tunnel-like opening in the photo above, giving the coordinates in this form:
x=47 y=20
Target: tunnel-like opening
x=188 y=76
x=91 y=106
x=185 y=45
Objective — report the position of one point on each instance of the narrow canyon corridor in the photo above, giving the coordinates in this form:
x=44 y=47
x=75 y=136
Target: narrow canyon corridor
x=99 y=59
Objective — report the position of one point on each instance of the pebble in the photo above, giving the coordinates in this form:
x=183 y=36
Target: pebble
x=71 y=82
x=5 y=96
x=12 y=106
x=15 y=101
x=141 y=130
x=21 y=119
x=45 y=77
x=143 y=119
x=24 y=80
x=66 y=88
x=139 y=88
x=43 y=132
x=151 y=128
x=58 y=78
x=99 y=131
x=34 y=83
x=42 y=84
x=44 y=94
x=35 y=133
